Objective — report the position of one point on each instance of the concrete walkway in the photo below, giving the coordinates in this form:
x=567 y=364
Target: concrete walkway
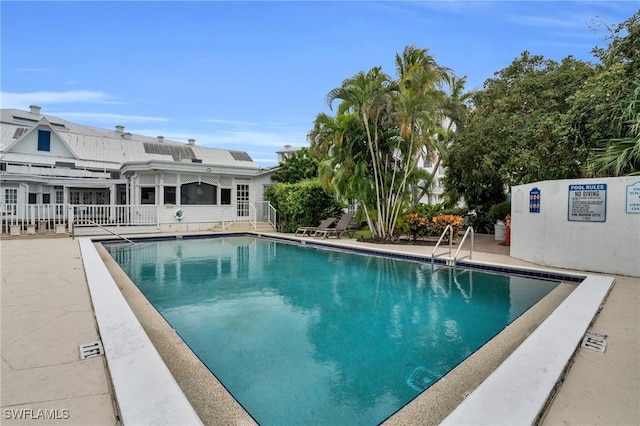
x=47 y=314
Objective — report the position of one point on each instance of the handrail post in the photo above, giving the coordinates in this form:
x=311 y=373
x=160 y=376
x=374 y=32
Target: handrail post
x=447 y=228
x=455 y=256
x=252 y=209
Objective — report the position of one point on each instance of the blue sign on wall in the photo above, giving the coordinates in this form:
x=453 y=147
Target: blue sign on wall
x=534 y=201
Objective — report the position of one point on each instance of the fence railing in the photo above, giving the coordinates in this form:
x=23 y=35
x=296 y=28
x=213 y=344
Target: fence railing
x=122 y=215
x=57 y=218
x=32 y=218
x=265 y=212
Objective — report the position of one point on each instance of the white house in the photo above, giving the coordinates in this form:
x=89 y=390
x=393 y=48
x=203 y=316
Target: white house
x=54 y=172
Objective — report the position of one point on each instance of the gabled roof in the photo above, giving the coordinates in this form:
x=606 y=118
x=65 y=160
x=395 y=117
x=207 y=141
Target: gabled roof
x=22 y=132
x=98 y=146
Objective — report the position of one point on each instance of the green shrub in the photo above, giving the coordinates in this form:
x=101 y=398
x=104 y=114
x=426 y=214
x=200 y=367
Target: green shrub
x=481 y=223
x=304 y=203
x=500 y=211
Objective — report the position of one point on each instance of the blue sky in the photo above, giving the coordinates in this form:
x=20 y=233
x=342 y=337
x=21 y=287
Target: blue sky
x=252 y=76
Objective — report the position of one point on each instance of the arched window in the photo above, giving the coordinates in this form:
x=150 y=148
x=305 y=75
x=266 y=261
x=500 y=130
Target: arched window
x=198 y=193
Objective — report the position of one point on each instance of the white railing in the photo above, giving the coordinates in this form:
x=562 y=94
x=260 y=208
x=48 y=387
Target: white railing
x=227 y=217
x=29 y=218
x=265 y=212
x=253 y=214
x=273 y=216
x=54 y=171
x=122 y=215
x=48 y=218
x=259 y=211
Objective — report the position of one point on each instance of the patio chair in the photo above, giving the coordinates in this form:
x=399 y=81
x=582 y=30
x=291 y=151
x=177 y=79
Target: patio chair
x=342 y=227
x=308 y=230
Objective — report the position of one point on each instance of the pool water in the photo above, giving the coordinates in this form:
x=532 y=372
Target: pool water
x=311 y=336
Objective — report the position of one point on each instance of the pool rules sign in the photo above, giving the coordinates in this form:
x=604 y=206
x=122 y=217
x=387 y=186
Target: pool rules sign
x=588 y=202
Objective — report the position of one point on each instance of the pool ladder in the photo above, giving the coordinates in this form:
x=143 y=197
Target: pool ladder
x=452 y=261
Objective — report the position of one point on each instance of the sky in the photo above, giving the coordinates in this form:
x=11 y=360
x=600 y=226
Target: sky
x=253 y=76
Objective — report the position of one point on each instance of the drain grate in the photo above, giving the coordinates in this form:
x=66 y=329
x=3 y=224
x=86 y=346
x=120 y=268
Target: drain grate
x=89 y=350
x=595 y=341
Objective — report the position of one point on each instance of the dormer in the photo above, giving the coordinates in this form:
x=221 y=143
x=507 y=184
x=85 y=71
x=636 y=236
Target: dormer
x=41 y=139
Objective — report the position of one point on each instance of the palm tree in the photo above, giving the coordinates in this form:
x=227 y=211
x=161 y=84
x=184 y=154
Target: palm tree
x=621 y=156
x=373 y=145
x=369 y=96
x=453 y=119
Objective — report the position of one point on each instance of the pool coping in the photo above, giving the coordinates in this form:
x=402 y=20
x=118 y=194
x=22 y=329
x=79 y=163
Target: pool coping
x=516 y=392
x=145 y=390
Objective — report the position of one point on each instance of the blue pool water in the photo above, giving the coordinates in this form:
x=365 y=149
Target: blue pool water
x=302 y=335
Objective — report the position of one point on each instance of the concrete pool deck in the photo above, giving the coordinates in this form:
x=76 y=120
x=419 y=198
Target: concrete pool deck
x=47 y=314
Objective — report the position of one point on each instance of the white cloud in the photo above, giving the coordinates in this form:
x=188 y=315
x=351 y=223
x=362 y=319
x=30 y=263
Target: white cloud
x=242 y=140
x=22 y=100
x=245 y=138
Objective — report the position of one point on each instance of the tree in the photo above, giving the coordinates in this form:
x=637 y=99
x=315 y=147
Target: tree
x=609 y=104
x=456 y=117
x=621 y=156
x=299 y=166
x=516 y=131
x=382 y=127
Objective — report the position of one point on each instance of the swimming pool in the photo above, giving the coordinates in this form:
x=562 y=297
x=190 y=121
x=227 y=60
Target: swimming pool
x=360 y=339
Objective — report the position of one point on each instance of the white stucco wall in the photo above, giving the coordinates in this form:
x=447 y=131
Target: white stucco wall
x=549 y=238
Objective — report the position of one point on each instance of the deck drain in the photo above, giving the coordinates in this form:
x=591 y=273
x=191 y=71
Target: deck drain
x=595 y=341
x=91 y=349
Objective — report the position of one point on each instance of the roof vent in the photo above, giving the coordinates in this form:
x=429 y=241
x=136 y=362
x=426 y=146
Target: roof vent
x=192 y=141
x=287 y=147
x=120 y=128
x=35 y=109
x=126 y=136
x=160 y=138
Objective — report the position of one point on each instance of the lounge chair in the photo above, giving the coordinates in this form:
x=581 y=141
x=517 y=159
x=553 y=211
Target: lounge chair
x=342 y=227
x=309 y=230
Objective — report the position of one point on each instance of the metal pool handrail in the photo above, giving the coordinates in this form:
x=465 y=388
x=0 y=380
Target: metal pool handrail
x=114 y=233
x=448 y=228
x=470 y=255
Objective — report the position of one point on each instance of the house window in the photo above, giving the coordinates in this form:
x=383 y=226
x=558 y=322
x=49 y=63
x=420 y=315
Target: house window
x=242 y=200
x=198 y=193
x=11 y=196
x=44 y=140
x=59 y=201
x=10 y=199
x=33 y=198
x=169 y=194
x=101 y=197
x=225 y=196
x=46 y=198
x=74 y=197
x=148 y=195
